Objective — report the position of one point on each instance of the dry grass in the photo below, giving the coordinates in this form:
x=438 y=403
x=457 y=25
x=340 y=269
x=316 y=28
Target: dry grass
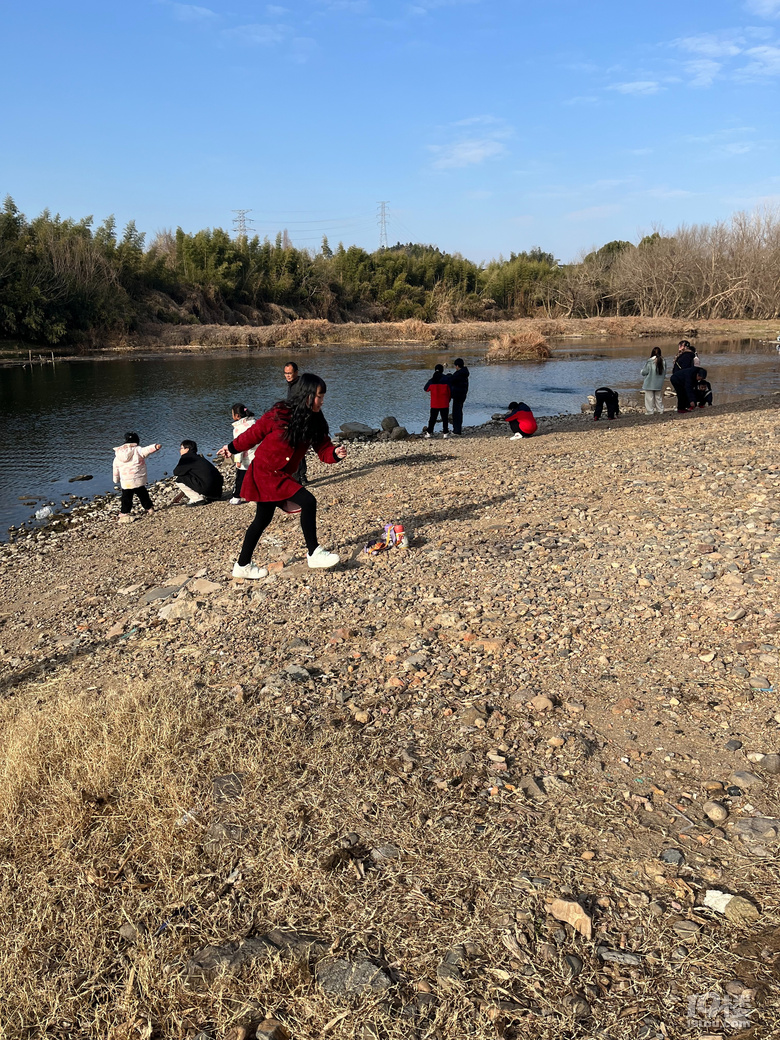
x=106 y=813
x=528 y=345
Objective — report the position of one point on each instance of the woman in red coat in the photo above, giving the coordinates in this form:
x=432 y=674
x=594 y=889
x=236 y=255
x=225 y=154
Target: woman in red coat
x=283 y=436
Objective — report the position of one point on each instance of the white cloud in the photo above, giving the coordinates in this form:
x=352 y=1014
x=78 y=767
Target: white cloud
x=764 y=8
x=737 y=148
x=257 y=34
x=593 y=213
x=703 y=72
x=641 y=86
x=472 y=148
x=191 y=13
x=668 y=193
x=468 y=152
x=582 y=99
x=712 y=45
x=764 y=61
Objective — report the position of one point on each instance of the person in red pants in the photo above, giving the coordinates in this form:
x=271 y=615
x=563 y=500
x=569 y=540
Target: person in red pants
x=521 y=421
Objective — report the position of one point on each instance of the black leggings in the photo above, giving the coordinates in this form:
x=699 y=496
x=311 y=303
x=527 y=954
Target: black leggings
x=127 y=499
x=240 y=474
x=265 y=511
x=433 y=418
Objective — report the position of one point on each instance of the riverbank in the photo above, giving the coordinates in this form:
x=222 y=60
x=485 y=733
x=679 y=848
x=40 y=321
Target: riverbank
x=159 y=340
x=367 y=802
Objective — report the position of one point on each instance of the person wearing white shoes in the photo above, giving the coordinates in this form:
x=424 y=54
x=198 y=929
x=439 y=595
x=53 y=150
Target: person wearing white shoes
x=282 y=437
x=521 y=421
x=242 y=420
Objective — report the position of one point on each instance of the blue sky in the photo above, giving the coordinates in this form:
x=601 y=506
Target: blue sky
x=489 y=126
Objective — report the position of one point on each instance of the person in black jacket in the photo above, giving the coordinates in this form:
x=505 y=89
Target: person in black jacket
x=292 y=377
x=459 y=388
x=196 y=477
x=682 y=377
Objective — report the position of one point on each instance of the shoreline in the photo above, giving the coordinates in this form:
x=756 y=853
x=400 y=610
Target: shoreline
x=488 y=782
x=162 y=341
x=90 y=507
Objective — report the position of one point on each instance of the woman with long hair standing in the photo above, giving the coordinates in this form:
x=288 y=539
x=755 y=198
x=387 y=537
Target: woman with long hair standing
x=283 y=436
x=654 y=371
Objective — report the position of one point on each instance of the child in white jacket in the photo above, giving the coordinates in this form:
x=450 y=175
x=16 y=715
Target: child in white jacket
x=130 y=473
x=242 y=420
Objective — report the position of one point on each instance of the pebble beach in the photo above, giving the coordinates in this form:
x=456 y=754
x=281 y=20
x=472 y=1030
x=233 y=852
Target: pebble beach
x=518 y=779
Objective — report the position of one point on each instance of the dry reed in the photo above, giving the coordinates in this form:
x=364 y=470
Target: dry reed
x=526 y=345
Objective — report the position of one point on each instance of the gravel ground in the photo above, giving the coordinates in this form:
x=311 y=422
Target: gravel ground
x=519 y=779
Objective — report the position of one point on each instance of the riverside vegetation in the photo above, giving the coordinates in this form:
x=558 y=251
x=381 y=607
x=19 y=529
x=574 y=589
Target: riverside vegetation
x=519 y=780
x=63 y=281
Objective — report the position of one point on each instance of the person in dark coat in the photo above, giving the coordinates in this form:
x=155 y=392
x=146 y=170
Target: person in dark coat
x=283 y=436
x=682 y=377
x=292 y=377
x=439 y=388
x=196 y=477
x=702 y=388
x=605 y=395
x=459 y=388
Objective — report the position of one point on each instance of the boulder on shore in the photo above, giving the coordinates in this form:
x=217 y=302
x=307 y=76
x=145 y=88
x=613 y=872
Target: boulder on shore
x=357 y=429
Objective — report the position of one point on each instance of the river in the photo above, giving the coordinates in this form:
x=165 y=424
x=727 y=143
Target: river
x=59 y=421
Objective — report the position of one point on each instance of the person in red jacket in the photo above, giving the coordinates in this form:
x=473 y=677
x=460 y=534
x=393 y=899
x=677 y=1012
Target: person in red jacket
x=439 y=389
x=283 y=436
x=521 y=421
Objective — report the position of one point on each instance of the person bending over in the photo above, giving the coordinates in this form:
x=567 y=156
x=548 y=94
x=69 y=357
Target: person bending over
x=521 y=421
x=283 y=436
x=606 y=396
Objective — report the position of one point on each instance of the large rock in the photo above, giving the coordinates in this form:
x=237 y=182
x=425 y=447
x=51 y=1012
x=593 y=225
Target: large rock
x=343 y=978
x=400 y=433
x=390 y=422
x=357 y=429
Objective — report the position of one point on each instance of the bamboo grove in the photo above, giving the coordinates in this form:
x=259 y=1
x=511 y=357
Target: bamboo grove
x=63 y=280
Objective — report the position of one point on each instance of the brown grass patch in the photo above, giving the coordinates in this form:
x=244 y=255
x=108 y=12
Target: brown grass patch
x=526 y=345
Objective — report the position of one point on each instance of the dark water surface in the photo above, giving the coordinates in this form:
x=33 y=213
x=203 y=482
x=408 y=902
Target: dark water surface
x=63 y=420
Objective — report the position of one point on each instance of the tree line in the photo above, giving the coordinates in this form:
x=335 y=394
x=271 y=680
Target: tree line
x=66 y=280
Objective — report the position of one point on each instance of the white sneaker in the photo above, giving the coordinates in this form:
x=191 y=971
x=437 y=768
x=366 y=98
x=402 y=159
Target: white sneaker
x=322 y=558
x=249 y=570
x=235 y=501
x=516 y=437
x=445 y=436
x=426 y=435
x=126 y=518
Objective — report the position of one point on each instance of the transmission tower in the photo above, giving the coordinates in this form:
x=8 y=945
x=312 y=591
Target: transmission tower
x=382 y=220
x=241 y=222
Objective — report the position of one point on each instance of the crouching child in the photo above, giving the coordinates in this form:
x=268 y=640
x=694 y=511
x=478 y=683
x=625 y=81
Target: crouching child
x=521 y=421
x=196 y=477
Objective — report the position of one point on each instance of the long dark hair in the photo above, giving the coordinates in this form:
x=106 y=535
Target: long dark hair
x=659 y=361
x=304 y=424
